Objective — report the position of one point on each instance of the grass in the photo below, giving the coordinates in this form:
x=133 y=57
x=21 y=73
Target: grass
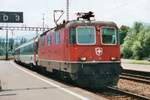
x=131 y=61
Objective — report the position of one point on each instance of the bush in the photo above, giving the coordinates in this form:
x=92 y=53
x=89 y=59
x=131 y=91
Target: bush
x=137 y=42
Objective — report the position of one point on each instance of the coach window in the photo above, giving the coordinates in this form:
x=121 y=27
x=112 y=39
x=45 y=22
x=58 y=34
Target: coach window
x=21 y=51
x=48 y=39
x=109 y=35
x=57 y=37
x=31 y=49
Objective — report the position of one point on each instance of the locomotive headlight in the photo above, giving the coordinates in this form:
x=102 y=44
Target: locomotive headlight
x=83 y=59
x=113 y=58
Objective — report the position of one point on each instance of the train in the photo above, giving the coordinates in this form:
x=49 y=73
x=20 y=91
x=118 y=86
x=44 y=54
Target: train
x=84 y=51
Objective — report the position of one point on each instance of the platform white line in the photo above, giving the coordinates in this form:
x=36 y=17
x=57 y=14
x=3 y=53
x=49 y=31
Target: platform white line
x=59 y=87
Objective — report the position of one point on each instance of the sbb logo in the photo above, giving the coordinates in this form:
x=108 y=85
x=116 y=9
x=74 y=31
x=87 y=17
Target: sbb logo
x=99 y=51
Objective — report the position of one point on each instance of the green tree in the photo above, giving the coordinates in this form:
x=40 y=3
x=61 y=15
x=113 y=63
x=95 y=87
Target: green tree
x=137 y=50
x=123 y=32
x=23 y=40
x=137 y=27
x=126 y=47
x=146 y=44
x=137 y=42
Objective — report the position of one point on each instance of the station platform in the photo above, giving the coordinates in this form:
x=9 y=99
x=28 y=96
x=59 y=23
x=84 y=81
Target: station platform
x=136 y=67
x=19 y=83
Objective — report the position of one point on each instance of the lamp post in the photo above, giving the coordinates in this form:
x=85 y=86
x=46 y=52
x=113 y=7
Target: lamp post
x=67 y=10
x=6 y=44
x=12 y=41
x=0 y=86
x=43 y=21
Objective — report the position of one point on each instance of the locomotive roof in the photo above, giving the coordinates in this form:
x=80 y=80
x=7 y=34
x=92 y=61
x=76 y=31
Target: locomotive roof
x=74 y=23
x=83 y=22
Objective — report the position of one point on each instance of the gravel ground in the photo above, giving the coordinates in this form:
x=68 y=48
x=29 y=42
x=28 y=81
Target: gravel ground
x=117 y=97
x=136 y=87
x=131 y=86
x=114 y=96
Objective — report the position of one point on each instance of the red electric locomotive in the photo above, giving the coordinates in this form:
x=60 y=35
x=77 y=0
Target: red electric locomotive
x=84 y=51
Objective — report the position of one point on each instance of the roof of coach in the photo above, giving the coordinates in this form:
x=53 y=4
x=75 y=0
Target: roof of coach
x=26 y=44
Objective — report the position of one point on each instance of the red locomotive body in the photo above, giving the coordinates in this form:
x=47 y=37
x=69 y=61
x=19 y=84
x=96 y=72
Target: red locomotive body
x=86 y=52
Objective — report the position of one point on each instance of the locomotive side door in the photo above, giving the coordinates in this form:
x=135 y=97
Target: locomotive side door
x=35 y=51
x=66 y=44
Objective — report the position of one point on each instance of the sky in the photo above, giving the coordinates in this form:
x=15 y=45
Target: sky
x=122 y=12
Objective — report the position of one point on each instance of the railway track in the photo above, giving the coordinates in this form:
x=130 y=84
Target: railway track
x=138 y=76
x=127 y=93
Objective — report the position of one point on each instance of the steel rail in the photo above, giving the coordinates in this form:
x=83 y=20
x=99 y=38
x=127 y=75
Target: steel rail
x=137 y=73
x=138 y=76
x=137 y=79
x=120 y=91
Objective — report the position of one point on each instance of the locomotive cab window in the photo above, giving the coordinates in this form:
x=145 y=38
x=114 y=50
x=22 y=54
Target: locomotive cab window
x=109 y=35
x=86 y=35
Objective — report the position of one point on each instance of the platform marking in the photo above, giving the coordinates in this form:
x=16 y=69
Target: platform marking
x=61 y=88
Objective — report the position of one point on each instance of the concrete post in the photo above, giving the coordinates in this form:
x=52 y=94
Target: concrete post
x=0 y=86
